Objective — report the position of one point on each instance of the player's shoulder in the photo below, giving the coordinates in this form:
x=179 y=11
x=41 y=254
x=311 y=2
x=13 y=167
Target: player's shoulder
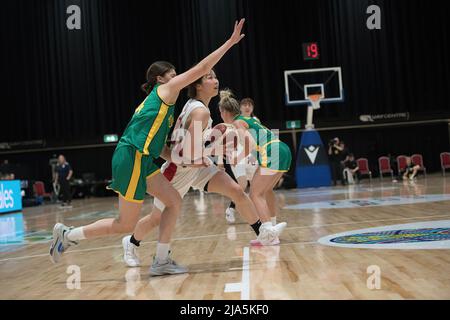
x=194 y=103
x=198 y=108
x=240 y=122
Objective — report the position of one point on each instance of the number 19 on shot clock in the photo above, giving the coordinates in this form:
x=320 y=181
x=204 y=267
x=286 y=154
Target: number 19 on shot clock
x=311 y=51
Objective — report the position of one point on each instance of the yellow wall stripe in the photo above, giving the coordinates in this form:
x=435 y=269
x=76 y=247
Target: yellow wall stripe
x=155 y=127
x=135 y=176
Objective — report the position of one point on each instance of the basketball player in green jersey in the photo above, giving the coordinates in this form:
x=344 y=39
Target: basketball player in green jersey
x=274 y=156
x=133 y=169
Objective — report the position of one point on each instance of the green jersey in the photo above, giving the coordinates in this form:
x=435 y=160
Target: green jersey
x=273 y=154
x=260 y=133
x=149 y=127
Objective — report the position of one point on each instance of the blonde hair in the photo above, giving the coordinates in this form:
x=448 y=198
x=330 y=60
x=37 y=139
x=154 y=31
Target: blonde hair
x=228 y=102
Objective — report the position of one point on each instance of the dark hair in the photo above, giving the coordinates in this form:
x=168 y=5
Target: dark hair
x=248 y=101
x=192 y=88
x=228 y=102
x=158 y=68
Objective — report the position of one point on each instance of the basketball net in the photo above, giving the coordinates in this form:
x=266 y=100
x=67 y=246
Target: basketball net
x=315 y=105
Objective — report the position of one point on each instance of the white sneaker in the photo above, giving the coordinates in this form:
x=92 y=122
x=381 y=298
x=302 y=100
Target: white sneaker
x=279 y=228
x=269 y=235
x=229 y=215
x=60 y=243
x=129 y=253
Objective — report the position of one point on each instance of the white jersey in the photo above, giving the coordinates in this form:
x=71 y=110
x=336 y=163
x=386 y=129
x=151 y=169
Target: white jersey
x=183 y=178
x=180 y=128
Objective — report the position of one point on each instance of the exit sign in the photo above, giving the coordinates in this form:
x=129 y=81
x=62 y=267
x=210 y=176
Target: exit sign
x=107 y=138
x=295 y=124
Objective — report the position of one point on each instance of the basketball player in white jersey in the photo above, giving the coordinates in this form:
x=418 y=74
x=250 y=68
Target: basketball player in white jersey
x=208 y=178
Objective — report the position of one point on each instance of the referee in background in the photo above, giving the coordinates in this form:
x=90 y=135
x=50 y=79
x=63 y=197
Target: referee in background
x=63 y=175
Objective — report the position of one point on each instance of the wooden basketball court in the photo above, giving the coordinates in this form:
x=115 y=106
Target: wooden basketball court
x=222 y=263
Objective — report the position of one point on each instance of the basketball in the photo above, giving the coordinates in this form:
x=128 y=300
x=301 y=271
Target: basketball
x=218 y=131
x=226 y=133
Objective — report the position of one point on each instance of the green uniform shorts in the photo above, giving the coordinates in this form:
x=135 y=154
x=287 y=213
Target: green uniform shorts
x=275 y=155
x=130 y=170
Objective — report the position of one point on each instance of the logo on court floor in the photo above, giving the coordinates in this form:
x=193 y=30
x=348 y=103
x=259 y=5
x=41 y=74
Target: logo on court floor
x=396 y=236
x=419 y=235
x=370 y=202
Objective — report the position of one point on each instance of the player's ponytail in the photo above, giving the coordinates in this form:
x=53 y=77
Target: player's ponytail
x=158 y=68
x=146 y=88
x=228 y=102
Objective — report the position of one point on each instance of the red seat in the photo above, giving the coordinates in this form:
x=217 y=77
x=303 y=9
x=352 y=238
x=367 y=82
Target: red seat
x=363 y=165
x=385 y=166
x=445 y=161
x=417 y=160
x=39 y=190
x=401 y=164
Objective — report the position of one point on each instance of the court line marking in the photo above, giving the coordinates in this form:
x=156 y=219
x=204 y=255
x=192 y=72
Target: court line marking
x=64 y=211
x=245 y=294
x=224 y=234
x=244 y=286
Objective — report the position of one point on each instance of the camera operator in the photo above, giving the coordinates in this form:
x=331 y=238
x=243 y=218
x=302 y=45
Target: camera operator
x=337 y=154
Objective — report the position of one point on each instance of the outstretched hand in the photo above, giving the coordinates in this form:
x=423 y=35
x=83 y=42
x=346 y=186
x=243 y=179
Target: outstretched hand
x=237 y=36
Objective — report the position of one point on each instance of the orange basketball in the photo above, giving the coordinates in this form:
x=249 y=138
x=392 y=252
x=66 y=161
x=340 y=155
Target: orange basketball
x=225 y=133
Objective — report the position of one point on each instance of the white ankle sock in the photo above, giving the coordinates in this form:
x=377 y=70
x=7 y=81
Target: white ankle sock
x=274 y=220
x=76 y=234
x=162 y=251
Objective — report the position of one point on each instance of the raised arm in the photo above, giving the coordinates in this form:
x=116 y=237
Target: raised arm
x=170 y=90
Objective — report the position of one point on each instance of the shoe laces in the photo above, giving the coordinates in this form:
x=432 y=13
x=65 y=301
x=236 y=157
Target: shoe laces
x=167 y=261
x=268 y=234
x=170 y=260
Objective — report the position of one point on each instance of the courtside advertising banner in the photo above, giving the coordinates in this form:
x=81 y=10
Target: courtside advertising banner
x=10 y=197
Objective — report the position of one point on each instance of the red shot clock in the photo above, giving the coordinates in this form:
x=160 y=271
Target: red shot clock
x=311 y=51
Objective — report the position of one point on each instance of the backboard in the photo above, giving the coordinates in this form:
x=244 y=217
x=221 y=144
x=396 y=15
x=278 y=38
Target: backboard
x=299 y=84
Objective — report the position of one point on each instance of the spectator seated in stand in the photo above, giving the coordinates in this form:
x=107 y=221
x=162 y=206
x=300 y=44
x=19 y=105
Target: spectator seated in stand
x=351 y=170
x=411 y=170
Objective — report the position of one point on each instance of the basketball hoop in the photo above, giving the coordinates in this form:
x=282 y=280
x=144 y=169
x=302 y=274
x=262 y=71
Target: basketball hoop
x=315 y=100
